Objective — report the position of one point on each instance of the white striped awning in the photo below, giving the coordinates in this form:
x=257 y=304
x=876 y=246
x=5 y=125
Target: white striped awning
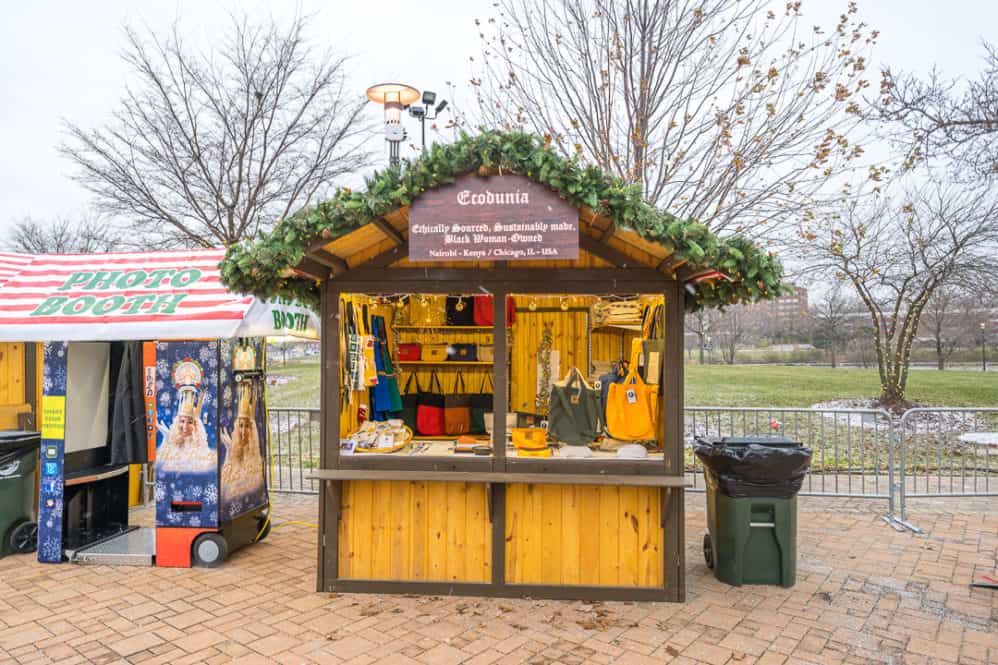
x=137 y=295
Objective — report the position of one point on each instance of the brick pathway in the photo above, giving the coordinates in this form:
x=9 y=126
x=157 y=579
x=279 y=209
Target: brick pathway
x=865 y=593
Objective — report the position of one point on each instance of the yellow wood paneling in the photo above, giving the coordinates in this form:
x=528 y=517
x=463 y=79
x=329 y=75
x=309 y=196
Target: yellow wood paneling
x=584 y=535
x=13 y=401
x=398 y=530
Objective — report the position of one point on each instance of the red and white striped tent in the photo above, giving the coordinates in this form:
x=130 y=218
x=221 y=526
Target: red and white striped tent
x=135 y=296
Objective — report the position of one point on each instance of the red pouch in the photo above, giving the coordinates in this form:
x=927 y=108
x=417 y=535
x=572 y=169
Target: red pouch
x=410 y=351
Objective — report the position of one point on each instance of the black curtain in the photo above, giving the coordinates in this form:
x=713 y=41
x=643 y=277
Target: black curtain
x=128 y=420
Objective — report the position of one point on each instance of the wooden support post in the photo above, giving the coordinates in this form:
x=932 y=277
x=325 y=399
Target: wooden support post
x=672 y=437
x=500 y=399
x=329 y=452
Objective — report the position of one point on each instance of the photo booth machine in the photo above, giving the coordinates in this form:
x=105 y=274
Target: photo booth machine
x=148 y=359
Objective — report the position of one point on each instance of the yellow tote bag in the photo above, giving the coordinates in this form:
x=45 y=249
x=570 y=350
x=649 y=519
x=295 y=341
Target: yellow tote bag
x=632 y=409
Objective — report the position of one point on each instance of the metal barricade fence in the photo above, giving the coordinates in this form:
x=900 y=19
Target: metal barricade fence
x=948 y=452
x=860 y=453
x=852 y=449
x=294 y=449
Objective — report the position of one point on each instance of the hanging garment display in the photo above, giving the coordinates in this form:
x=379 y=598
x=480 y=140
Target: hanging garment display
x=632 y=409
x=574 y=416
x=385 y=399
x=427 y=310
x=457 y=409
x=481 y=404
x=355 y=353
x=484 y=311
x=367 y=347
x=460 y=311
x=430 y=410
x=410 y=402
x=616 y=375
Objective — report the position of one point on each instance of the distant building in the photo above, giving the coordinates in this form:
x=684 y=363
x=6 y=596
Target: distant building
x=787 y=313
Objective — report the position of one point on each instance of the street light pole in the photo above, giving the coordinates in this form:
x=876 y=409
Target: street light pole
x=984 y=347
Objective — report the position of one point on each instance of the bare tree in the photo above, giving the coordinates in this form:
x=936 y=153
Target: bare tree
x=949 y=317
x=698 y=323
x=897 y=255
x=92 y=233
x=208 y=147
x=829 y=322
x=729 y=331
x=722 y=110
x=938 y=117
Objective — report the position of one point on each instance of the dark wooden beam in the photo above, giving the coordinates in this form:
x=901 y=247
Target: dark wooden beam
x=605 y=252
x=312 y=268
x=536 y=280
x=386 y=258
x=610 y=230
x=336 y=265
x=388 y=230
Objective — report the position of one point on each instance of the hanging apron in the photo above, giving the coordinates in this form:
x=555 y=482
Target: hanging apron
x=386 y=402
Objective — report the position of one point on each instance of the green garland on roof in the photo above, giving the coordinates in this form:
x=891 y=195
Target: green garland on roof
x=261 y=266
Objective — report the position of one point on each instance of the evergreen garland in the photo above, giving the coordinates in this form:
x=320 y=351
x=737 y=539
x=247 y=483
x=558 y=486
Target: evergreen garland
x=263 y=266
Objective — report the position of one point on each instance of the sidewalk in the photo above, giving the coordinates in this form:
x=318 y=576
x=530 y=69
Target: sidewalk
x=865 y=593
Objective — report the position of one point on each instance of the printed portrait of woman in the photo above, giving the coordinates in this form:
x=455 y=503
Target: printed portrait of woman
x=184 y=444
x=242 y=472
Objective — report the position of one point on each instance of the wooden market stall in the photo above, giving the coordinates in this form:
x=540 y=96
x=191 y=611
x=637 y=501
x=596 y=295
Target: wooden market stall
x=502 y=221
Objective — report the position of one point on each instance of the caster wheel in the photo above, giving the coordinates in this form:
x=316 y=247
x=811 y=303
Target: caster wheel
x=263 y=524
x=24 y=538
x=210 y=550
x=708 y=551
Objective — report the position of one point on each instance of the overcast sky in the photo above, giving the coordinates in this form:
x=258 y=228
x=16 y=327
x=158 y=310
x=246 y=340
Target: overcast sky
x=60 y=60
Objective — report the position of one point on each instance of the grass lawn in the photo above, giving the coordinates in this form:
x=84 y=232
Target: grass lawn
x=738 y=385
x=772 y=385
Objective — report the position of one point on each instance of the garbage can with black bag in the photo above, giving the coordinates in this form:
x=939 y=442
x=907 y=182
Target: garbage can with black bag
x=752 y=485
x=18 y=461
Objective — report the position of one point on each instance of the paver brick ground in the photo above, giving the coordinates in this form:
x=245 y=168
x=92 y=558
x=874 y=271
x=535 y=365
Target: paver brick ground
x=865 y=594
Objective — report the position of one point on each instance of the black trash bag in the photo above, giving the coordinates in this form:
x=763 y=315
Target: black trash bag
x=757 y=467
x=16 y=444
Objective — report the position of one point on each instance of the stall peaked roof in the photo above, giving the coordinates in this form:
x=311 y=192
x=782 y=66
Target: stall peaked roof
x=140 y=295
x=617 y=228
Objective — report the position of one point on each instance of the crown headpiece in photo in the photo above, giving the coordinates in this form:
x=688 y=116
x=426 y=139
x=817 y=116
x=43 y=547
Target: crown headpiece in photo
x=191 y=403
x=247 y=401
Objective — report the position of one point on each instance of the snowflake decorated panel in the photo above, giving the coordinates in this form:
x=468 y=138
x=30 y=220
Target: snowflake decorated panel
x=187 y=398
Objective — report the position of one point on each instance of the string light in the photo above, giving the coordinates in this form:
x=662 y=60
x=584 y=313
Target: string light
x=564 y=304
x=532 y=305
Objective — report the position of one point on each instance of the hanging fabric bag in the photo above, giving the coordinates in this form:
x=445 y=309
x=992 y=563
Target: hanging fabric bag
x=481 y=404
x=460 y=311
x=616 y=375
x=632 y=409
x=484 y=311
x=652 y=346
x=427 y=310
x=574 y=417
x=430 y=409
x=457 y=409
x=410 y=402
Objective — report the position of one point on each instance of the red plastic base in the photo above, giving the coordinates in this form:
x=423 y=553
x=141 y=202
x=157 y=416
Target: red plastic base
x=173 y=546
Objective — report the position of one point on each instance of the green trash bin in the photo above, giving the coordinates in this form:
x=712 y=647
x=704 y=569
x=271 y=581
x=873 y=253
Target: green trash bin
x=752 y=485
x=18 y=461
